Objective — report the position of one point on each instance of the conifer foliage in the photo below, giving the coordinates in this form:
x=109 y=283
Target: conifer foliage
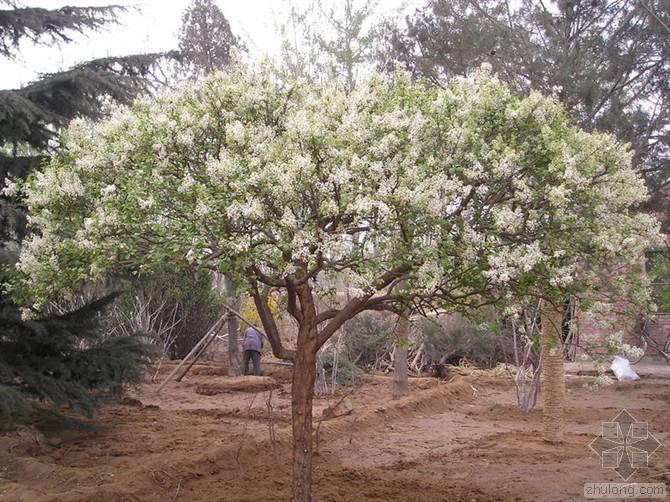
x=31 y=116
x=59 y=359
x=206 y=40
x=49 y=26
x=62 y=360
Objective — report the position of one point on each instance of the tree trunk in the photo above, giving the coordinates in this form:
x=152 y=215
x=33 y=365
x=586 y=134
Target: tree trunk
x=304 y=375
x=553 y=375
x=234 y=367
x=400 y=372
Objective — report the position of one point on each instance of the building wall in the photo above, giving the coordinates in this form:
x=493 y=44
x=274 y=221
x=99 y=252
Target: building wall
x=659 y=330
x=593 y=334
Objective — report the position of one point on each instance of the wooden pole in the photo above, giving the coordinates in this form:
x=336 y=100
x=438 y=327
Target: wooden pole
x=279 y=363
x=237 y=314
x=193 y=351
x=197 y=356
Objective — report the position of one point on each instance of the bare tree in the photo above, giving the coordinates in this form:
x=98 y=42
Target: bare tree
x=527 y=358
x=400 y=370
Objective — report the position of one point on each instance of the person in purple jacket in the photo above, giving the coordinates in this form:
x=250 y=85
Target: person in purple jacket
x=252 y=345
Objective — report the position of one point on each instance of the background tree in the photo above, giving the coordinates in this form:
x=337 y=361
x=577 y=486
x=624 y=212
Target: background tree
x=608 y=62
x=431 y=198
x=350 y=45
x=206 y=40
x=400 y=366
x=322 y=43
x=300 y=57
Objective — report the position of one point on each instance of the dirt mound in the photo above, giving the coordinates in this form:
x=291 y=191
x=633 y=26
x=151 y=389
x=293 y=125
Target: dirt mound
x=30 y=468
x=531 y=445
x=424 y=383
x=277 y=370
x=209 y=370
x=434 y=400
x=236 y=384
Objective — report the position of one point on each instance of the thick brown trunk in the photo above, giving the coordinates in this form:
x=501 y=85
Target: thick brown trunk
x=304 y=375
x=234 y=367
x=553 y=375
x=400 y=372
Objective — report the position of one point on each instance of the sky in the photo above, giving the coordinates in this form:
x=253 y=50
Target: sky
x=154 y=28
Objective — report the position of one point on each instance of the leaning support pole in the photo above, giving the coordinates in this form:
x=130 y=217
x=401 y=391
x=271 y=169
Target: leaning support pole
x=202 y=350
x=237 y=314
x=195 y=349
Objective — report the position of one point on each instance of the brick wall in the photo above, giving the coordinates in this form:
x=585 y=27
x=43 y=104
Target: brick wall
x=594 y=336
x=659 y=330
x=591 y=333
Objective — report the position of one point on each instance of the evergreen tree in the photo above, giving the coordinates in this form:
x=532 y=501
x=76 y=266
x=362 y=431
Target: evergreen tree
x=206 y=40
x=49 y=26
x=60 y=359
x=31 y=116
x=353 y=38
x=337 y=43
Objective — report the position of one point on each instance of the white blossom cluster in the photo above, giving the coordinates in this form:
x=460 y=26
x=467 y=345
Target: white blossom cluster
x=616 y=343
x=243 y=170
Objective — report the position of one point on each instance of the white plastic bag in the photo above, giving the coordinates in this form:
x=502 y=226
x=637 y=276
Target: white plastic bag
x=622 y=370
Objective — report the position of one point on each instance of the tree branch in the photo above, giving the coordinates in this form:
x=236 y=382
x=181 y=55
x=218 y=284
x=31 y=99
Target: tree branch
x=355 y=305
x=270 y=326
x=266 y=279
x=292 y=301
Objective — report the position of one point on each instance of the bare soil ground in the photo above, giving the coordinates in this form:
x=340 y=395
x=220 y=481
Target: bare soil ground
x=459 y=441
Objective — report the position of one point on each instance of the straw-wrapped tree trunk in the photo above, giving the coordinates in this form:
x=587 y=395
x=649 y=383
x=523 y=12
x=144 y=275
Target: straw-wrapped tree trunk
x=553 y=374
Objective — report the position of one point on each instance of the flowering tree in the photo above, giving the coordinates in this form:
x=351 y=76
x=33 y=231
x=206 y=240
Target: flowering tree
x=449 y=198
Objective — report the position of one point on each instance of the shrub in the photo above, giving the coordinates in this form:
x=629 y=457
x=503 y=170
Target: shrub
x=172 y=309
x=369 y=338
x=348 y=374
x=449 y=339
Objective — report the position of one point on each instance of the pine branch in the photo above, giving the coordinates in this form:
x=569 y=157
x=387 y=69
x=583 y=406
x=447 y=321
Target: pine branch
x=34 y=113
x=18 y=167
x=63 y=360
x=44 y=26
